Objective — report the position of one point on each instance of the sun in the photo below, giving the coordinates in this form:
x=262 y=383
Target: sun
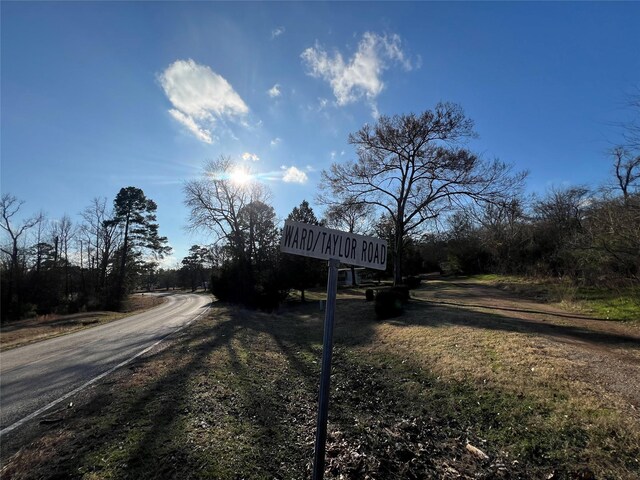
x=240 y=176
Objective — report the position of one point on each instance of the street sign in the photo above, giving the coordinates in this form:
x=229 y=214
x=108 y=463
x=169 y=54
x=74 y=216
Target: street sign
x=335 y=246
x=325 y=244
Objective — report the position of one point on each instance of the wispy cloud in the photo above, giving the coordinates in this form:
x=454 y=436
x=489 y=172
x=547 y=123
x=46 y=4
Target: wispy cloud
x=294 y=175
x=276 y=141
x=361 y=75
x=246 y=156
x=200 y=97
x=200 y=132
x=276 y=32
x=274 y=91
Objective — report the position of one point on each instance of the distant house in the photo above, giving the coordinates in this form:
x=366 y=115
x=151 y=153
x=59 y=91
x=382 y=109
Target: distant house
x=345 y=278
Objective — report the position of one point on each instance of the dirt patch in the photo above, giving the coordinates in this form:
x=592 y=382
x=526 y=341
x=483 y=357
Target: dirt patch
x=607 y=352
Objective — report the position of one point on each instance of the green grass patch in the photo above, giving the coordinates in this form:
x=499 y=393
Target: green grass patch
x=613 y=303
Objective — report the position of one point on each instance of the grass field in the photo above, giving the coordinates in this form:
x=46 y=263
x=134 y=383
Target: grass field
x=613 y=303
x=235 y=397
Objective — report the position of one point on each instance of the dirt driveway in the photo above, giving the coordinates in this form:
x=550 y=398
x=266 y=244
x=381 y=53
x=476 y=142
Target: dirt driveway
x=604 y=353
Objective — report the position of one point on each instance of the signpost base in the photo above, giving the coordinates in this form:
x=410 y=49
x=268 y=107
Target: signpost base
x=325 y=378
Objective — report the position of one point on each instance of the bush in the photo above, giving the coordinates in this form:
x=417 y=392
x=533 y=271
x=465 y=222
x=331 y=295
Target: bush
x=368 y=293
x=402 y=292
x=235 y=283
x=267 y=301
x=412 y=282
x=388 y=304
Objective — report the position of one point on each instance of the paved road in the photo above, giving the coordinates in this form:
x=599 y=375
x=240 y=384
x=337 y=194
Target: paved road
x=34 y=376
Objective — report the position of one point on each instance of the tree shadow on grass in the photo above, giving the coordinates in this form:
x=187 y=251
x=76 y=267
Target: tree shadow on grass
x=447 y=313
x=235 y=397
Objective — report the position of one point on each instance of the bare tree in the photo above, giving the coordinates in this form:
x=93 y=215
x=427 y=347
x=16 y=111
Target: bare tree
x=67 y=234
x=415 y=168
x=216 y=201
x=9 y=208
x=349 y=216
x=502 y=231
x=626 y=154
x=102 y=240
x=626 y=165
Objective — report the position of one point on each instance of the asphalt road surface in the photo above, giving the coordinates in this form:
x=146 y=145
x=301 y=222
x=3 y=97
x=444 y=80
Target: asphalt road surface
x=35 y=376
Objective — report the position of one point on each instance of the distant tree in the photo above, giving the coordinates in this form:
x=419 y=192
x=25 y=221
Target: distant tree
x=242 y=222
x=611 y=243
x=197 y=265
x=559 y=225
x=16 y=230
x=303 y=273
x=167 y=278
x=260 y=234
x=63 y=233
x=414 y=168
x=504 y=233
x=215 y=202
x=464 y=253
x=101 y=239
x=627 y=170
x=349 y=216
x=135 y=214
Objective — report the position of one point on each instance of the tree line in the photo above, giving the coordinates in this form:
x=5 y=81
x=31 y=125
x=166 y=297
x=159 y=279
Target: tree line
x=414 y=182
x=56 y=265
x=441 y=207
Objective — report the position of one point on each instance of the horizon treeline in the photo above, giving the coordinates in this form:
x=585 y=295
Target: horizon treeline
x=414 y=183
x=591 y=236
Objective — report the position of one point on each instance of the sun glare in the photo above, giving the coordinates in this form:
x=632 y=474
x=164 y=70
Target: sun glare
x=240 y=176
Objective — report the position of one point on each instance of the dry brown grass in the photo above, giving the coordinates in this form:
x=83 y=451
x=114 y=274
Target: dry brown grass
x=235 y=397
x=23 y=332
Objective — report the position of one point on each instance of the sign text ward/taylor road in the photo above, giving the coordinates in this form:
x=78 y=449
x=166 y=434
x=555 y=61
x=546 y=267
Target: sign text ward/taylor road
x=336 y=246
x=324 y=243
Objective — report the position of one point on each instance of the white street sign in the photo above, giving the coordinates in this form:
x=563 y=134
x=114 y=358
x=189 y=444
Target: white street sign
x=325 y=243
x=335 y=246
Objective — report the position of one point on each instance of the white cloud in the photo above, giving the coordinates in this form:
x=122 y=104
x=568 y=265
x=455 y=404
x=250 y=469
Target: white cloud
x=360 y=76
x=200 y=133
x=274 y=91
x=294 y=175
x=276 y=32
x=276 y=141
x=200 y=97
x=250 y=156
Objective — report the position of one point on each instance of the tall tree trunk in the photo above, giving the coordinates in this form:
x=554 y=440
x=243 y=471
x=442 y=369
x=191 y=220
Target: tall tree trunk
x=398 y=251
x=123 y=263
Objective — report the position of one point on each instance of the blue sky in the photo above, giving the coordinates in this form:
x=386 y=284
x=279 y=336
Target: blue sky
x=98 y=96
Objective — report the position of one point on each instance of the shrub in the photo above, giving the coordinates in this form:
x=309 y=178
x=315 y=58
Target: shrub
x=412 y=282
x=402 y=292
x=388 y=304
x=236 y=283
x=368 y=293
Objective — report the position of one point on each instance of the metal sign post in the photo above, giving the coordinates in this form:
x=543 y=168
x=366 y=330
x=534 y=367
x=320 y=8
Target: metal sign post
x=335 y=246
x=325 y=376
